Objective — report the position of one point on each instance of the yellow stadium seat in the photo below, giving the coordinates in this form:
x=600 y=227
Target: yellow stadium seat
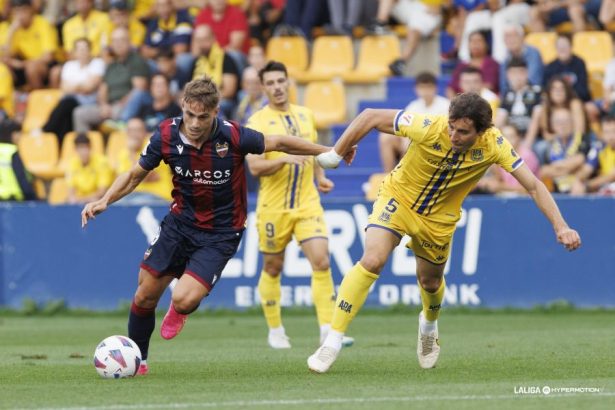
x=545 y=43
x=331 y=56
x=292 y=92
x=373 y=185
x=117 y=142
x=328 y=102
x=595 y=48
x=39 y=153
x=292 y=51
x=40 y=105
x=375 y=55
x=68 y=147
x=58 y=192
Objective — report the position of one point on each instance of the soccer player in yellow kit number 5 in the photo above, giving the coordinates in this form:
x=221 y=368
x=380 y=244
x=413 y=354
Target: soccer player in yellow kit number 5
x=422 y=198
x=289 y=204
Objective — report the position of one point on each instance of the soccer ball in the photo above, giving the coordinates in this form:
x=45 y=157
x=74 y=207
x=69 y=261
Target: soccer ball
x=117 y=357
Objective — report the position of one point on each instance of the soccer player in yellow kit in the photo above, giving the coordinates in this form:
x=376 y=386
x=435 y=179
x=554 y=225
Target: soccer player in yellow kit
x=289 y=204
x=422 y=198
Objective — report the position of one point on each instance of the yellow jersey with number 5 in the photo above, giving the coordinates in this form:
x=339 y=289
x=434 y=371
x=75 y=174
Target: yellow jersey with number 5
x=291 y=187
x=433 y=180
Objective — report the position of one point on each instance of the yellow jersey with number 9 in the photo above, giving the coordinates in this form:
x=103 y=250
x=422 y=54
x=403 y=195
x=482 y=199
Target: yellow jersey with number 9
x=291 y=187
x=433 y=180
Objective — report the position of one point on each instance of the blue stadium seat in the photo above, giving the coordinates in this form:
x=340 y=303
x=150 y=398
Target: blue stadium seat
x=393 y=103
x=349 y=181
x=403 y=87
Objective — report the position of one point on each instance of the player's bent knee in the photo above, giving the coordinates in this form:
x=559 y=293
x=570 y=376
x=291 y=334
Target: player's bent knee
x=372 y=263
x=321 y=264
x=145 y=299
x=430 y=284
x=186 y=305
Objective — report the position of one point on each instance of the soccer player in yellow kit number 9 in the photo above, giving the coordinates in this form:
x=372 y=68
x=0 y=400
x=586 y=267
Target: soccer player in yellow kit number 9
x=422 y=198
x=289 y=204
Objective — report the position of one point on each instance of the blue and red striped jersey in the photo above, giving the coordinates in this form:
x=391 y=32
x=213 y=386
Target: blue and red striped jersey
x=209 y=184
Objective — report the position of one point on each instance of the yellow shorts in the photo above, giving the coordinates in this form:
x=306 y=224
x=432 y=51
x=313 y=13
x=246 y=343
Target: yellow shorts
x=276 y=229
x=430 y=240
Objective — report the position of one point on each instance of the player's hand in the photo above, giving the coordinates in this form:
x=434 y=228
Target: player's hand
x=295 y=159
x=325 y=185
x=349 y=156
x=91 y=209
x=569 y=238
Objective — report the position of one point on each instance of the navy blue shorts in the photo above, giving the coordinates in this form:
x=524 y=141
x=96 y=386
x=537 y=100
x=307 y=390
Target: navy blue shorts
x=181 y=249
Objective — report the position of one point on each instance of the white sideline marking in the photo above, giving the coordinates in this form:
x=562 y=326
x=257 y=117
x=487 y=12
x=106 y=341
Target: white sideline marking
x=254 y=403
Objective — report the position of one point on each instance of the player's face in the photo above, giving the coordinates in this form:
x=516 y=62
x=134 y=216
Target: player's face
x=197 y=120
x=462 y=134
x=275 y=85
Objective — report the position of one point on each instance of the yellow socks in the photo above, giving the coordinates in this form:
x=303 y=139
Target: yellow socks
x=270 y=294
x=323 y=295
x=352 y=294
x=432 y=301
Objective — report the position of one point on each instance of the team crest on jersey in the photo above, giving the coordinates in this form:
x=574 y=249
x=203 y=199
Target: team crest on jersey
x=477 y=154
x=222 y=149
x=436 y=146
x=385 y=217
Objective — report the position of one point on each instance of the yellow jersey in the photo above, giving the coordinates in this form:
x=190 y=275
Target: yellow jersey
x=161 y=188
x=6 y=90
x=33 y=42
x=291 y=187
x=135 y=27
x=432 y=179
x=88 y=179
x=93 y=28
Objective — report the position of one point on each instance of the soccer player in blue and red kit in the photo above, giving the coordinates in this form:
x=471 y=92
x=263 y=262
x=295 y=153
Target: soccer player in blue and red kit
x=208 y=214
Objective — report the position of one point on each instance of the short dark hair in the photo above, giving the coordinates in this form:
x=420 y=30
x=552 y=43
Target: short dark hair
x=272 y=66
x=165 y=52
x=82 y=139
x=473 y=107
x=21 y=3
x=471 y=70
x=426 y=77
x=516 y=62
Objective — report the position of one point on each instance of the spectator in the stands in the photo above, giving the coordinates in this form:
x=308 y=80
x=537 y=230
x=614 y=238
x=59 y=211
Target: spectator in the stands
x=301 y=16
x=567 y=152
x=392 y=147
x=514 y=36
x=263 y=17
x=257 y=57
x=558 y=94
x=171 y=28
x=30 y=45
x=422 y=19
x=211 y=60
x=253 y=98
x=481 y=59
x=89 y=23
x=607 y=12
x=123 y=91
x=548 y=14
x=598 y=173
x=230 y=27
x=344 y=15
x=166 y=65
x=89 y=174
x=162 y=106
x=80 y=79
x=119 y=16
x=16 y=182
x=471 y=81
x=520 y=101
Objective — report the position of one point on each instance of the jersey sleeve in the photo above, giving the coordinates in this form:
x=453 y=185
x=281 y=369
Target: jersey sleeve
x=412 y=125
x=506 y=156
x=152 y=153
x=251 y=141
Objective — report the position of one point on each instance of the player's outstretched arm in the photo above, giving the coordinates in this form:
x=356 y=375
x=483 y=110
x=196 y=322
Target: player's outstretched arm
x=123 y=185
x=358 y=128
x=298 y=146
x=544 y=200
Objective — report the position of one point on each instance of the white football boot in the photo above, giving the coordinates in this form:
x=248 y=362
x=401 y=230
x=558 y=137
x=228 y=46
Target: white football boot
x=428 y=347
x=322 y=359
x=277 y=338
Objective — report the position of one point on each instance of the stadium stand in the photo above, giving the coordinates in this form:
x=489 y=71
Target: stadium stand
x=375 y=53
x=331 y=56
x=40 y=154
x=40 y=105
x=58 y=192
x=545 y=43
x=116 y=143
x=292 y=51
x=68 y=147
x=595 y=48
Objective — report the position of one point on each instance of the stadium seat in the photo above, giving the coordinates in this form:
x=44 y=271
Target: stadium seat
x=292 y=51
x=375 y=54
x=39 y=153
x=595 y=48
x=545 y=43
x=68 y=147
x=58 y=192
x=292 y=92
x=328 y=102
x=40 y=105
x=117 y=142
x=332 y=56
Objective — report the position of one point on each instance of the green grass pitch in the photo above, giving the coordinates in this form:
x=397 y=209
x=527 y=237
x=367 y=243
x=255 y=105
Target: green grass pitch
x=222 y=361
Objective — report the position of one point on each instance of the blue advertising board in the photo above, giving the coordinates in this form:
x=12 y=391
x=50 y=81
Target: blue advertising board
x=504 y=253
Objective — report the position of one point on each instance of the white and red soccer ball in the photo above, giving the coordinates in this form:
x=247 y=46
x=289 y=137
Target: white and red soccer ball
x=117 y=357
